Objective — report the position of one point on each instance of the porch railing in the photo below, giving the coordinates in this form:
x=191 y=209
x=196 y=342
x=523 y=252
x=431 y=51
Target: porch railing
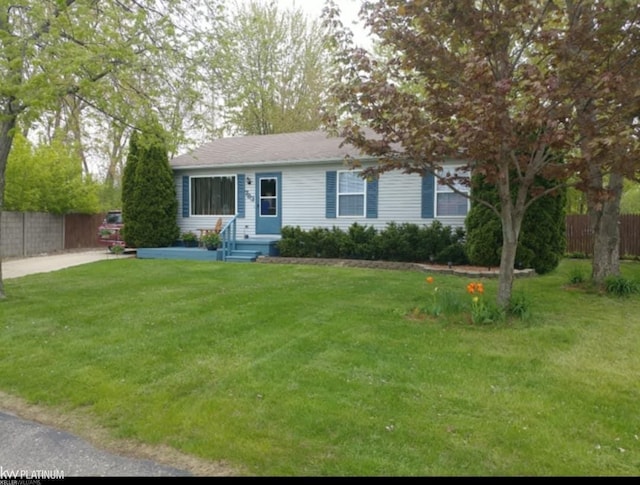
x=228 y=237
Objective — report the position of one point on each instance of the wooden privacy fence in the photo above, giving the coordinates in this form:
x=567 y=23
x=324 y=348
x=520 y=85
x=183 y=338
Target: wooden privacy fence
x=81 y=230
x=580 y=236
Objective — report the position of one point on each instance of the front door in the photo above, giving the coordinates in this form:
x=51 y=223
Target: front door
x=268 y=203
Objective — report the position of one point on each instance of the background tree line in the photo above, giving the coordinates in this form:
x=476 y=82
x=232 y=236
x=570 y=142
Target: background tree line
x=206 y=70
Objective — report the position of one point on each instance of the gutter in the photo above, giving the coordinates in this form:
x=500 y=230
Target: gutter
x=270 y=163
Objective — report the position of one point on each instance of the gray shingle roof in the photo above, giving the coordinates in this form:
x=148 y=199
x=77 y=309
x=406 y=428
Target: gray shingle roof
x=310 y=146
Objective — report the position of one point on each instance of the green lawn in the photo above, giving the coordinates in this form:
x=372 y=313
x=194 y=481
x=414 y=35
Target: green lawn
x=325 y=371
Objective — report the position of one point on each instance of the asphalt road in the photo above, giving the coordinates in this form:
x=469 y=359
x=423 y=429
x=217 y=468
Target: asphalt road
x=28 y=448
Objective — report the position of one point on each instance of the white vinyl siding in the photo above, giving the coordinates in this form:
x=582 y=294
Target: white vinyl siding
x=303 y=196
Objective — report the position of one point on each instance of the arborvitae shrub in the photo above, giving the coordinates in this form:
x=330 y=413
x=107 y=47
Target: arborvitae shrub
x=542 y=236
x=128 y=185
x=544 y=230
x=484 y=241
x=151 y=215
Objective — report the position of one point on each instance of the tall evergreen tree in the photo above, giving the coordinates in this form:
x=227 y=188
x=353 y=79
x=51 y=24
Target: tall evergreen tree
x=149 y=194
x=482 y=224
x=543 y=239
x=128 y=182
x=543 y=235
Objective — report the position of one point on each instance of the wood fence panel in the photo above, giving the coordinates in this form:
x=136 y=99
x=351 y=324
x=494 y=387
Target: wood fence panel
x=630 y=235
x=580 y=236
x=81 y=230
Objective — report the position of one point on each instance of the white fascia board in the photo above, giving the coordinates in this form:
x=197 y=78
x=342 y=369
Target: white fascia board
x=280 y=163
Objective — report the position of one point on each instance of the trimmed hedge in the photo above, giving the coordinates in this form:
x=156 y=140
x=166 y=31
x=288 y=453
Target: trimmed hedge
x=397 y=242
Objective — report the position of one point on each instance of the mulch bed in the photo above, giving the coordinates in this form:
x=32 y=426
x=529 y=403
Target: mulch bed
x=472 y=271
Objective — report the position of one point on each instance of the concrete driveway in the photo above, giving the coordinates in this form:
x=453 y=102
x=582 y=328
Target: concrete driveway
x=15 y=268
x=28 y=447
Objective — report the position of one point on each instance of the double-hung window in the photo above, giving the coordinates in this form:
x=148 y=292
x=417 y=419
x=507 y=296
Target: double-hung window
x=448 y=202
x=351 y=194
x=213 y=195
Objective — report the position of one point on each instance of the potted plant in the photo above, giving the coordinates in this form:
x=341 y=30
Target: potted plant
x=211 y=240
x=189 y=239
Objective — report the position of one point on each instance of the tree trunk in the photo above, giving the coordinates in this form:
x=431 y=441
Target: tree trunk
x=511 y=218
x=507 y=263
x=7 y=125
x=511 y=215
x=116 y=162
x=604 y=216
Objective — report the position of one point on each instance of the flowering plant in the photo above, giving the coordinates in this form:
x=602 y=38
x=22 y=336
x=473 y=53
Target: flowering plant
x=478 y=307
x=481 y=311
x=476 y=287
x=434 y=307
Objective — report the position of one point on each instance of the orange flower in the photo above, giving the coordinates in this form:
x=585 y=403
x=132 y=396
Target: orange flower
x=429 y=279
x=475 y=287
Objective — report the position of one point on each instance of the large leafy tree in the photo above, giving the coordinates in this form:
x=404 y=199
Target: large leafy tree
x=498 y=85
x=270 y=70
x=598 y=61
x=461 y=80
x=111 y=55
x=48 y=178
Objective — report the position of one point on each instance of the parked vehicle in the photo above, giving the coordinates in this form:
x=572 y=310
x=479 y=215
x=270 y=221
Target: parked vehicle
x=110 y=232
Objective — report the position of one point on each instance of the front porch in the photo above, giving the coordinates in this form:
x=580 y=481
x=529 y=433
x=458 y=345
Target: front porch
x=240 y=250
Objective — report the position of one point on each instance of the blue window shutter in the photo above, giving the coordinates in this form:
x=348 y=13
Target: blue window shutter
x=241 y=200
x=372 y=199
x=185 y=196
x=332 y=180
x=428 y=195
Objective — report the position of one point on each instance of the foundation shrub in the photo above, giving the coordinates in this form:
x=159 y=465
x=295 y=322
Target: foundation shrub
x=397 y=242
